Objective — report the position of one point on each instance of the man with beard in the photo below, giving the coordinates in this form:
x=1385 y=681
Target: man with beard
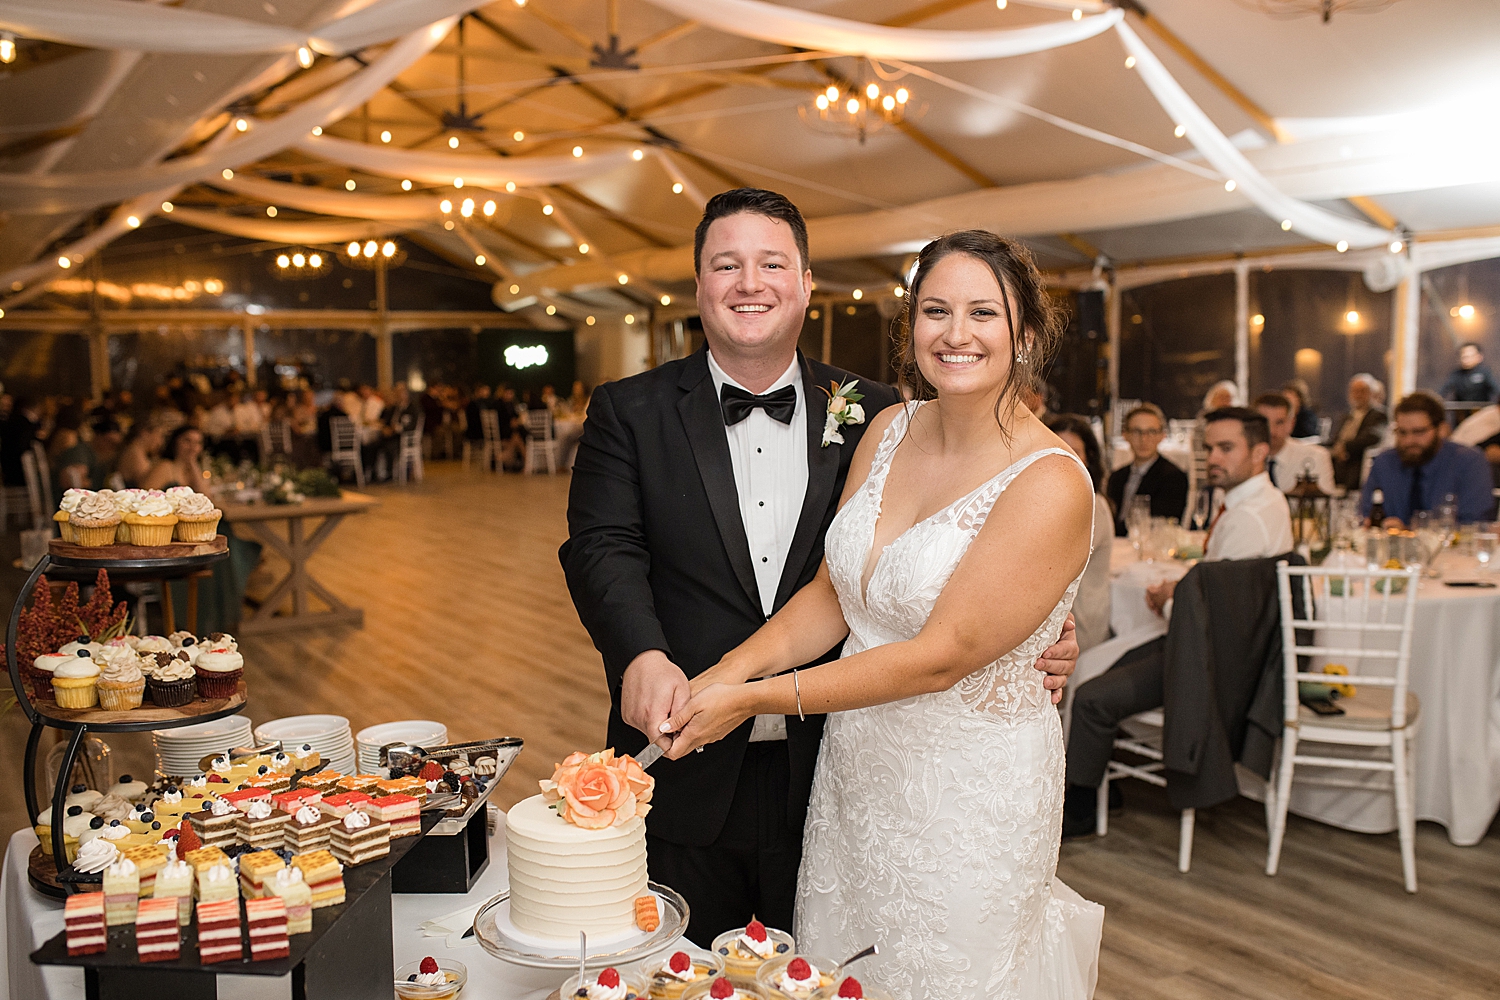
x=1425 y=467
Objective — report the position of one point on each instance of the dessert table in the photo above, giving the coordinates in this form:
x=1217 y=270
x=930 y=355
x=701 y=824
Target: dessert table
x=297 y=548
x=28 y=920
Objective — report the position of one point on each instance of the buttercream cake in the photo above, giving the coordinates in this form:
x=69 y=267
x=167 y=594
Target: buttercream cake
x=577 y=852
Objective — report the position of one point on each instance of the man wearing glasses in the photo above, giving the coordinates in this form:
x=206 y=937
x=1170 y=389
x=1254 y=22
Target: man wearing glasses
x=1148 y=474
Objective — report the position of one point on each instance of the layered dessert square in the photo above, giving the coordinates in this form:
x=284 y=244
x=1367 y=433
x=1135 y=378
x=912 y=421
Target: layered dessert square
x=324 y=876
x=402 y=812
x=175 y=881
x=343 y=803
x=83 y=916
x=255 y=869
x=292 y=888
x=357 y=839
x=308 y=829
x=156 y=937
x=122 y=891
x=267 y=919
x=219 y=931
x=260 y=826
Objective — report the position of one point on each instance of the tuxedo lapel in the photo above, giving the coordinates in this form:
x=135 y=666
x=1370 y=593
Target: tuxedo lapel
x=822 y=477
x=704 y=423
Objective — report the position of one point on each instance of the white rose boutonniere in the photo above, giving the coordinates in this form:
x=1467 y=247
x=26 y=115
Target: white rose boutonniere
x=843 y=408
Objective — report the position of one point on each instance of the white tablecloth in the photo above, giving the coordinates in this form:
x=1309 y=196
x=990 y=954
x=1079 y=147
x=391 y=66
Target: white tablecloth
x=28 y=920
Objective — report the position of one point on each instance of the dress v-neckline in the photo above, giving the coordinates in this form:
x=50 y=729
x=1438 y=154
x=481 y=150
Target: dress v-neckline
x=873 y=560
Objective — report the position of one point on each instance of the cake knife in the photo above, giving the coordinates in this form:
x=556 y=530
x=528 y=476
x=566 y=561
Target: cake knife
x=649 y=756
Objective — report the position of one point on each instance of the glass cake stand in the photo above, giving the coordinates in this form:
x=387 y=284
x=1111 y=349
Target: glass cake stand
x=498 y=936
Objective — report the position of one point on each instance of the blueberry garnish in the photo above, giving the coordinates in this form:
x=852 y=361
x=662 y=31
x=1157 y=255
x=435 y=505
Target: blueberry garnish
x=124 y=779
x=85 y=654
x=97 y=823
x=75 y=810
x=80 y=789
x=147 y=817
x=411 y=978
x=114 y=822
x=189 y=641
x=156 y=826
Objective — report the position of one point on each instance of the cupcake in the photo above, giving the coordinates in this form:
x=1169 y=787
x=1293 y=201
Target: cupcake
x=197 y=518
x=94 y=521
x=121 y=683
x=130 y=789
x=82 y=642
x=218 y=671
x=40 y=671
x=75 y=684
x=153 y=521
x=70 y=499
x=172 y=681
x=745 y=949
x=220 y=640
x=150 y=644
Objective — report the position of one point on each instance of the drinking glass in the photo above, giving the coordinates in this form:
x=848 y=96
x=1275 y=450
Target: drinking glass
x=1202 y=509
x=1484 y=548
x=1138 y=523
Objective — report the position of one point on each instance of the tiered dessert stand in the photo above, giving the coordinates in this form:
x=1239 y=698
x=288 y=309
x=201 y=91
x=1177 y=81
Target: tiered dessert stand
x=124 y=563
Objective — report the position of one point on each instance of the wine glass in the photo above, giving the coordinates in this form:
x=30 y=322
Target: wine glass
x=1484 y=548
x=1202 y=508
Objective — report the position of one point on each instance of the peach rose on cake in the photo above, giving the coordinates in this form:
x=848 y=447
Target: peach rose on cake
x=597 y=791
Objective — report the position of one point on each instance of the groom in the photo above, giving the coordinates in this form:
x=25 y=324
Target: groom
x=700 y=497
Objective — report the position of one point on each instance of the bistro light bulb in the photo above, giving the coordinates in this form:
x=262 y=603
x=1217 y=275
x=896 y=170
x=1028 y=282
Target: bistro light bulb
x=271 y=211
x=317 y=130
x=1341 y=246
x=888 y=102
x=370 y=248
x=515 y=289
x=589 y=320
x=1258 y=319
x=298 y=260
x=1286 y=224
x=822 y=102
x=489 y=208
x=240 y=125
x=1180 y=131
x=898 y=291
x=1351 y=317
x=453 y=142
x=387 y=251
x=479 y=259
x=637 y=155
x=552 y=310
x=406 y=185
x=227 y=174
x=1396 y=246
x=1002 y=4
x=354 y=249
x=902 y=95
x=518 y=135
x=583 y=248
x=133 y=222
x=630 y=319
x=1130 y=62
x=458 y=182
x=7 y=48
x=577 y=151
x=872 y=91
x=385 y=136
x=546 y=209
x=1465 y=311
x=64 y=263
x=316 y=260
x=833 y=93
x=304 y=56
x=859 y=293
x=283 y=261
x=510 y=187
x=349 y=185
x=166 y=206
x=677 y=188
x=623 y=279
x=1230 y=184
x=445 y=206
x=666 y=300
x=1077 y=14
x=852 y=106
x=468 y=208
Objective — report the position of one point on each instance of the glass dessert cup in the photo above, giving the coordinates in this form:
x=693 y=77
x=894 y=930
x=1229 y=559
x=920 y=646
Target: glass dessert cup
x=407 y=989
x=577 y=988
x=744 y=989
x=770 y=973
x=665 y=986
x=740 y=961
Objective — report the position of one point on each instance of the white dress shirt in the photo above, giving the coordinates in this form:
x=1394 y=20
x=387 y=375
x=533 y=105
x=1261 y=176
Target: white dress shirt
x=1296 y=458
x=770 y=478
x=1255 y=523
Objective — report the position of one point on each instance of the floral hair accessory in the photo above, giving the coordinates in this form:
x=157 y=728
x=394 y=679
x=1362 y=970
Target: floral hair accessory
x=843 y=409
x=596 y=791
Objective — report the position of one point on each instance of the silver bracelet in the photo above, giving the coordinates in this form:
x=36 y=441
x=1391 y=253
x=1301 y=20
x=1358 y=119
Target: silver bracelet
x=797 y=684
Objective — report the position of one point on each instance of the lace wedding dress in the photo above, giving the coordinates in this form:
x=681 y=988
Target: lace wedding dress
x=934 y=823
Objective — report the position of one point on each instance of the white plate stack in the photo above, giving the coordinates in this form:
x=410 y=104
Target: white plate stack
x=330 y=735
x=417 y=732
x=179 y=751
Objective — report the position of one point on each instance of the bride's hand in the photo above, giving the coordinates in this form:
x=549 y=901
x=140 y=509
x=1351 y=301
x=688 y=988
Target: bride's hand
x=712 y=714
x=722 y=672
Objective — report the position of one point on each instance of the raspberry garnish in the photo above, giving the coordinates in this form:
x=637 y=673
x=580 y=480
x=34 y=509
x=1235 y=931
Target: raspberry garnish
x=798 y=969
x=722 y=989
x=755 y=930
x=609 y=978
x=432 y=771
x=679 y=962
x=429 y=966
x=850 y=988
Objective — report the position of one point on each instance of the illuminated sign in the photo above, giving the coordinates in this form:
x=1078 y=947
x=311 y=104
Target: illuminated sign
x=519 y=357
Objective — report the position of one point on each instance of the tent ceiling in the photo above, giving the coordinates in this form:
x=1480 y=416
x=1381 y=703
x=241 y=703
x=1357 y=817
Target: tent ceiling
x=528 y=69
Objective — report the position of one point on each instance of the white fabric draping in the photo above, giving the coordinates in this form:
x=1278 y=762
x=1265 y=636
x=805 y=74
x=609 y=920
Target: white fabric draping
x=689 y=189
x=480 y=171
x=1309 y=220
x=128 y=24
x=350 y=205
x=279 y=231
x=50 y=193
x=771 y=22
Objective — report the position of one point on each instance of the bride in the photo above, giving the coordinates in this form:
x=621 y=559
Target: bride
x=953 y=560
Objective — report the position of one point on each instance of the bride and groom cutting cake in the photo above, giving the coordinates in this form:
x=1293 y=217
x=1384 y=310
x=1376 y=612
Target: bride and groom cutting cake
x=841 y=615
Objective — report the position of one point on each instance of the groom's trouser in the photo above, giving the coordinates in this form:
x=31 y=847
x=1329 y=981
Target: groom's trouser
x=1132 y=685
x=751 y=870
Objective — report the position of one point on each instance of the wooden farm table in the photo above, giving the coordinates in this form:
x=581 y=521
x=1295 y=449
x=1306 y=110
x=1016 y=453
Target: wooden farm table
x=297 y=548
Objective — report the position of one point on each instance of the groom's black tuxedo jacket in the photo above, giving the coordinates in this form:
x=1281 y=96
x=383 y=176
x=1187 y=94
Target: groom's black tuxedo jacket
x=657 y=558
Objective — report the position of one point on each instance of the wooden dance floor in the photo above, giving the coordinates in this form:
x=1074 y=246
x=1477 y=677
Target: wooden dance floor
x=468 y=621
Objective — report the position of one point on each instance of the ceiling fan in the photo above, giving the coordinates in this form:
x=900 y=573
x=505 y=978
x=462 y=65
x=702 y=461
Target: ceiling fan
x=461 y=120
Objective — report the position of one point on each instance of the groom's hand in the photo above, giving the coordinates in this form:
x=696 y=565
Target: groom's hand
x=654 y=687
x=1059 y=660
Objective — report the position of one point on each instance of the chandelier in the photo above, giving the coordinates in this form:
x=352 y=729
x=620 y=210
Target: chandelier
x=860 y=109
x=1285 y=10
x=372 y=254
x=298 y=265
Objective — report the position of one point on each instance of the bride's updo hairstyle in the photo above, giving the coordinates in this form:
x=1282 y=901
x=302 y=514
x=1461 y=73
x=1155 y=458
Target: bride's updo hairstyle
x=1035 y=323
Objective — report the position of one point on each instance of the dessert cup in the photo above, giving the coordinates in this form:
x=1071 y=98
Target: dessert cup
x=664 y=986
x=744 y=989
x=740 y=961
x=770 y=976
x=631 y=979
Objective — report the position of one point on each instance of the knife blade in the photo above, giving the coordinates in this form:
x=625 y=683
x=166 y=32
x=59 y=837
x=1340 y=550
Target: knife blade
x=649 y=756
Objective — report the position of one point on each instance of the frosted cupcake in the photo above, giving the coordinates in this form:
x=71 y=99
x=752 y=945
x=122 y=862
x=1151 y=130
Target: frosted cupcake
x=94 y=521
x=150 y=644
x=173 y=681
x=75 y=684
x=82 y=642
x=121 y=683
x=41 y=671
x=218 y=672
x=153 y=520
x=65 y=509
x=197 y=517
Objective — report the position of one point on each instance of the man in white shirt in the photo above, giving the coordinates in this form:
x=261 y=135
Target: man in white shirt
x=1289 y=459
x=1252 y=521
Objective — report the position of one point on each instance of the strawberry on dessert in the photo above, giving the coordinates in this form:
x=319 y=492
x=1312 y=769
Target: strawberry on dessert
x=722 y=989
x=850 y=989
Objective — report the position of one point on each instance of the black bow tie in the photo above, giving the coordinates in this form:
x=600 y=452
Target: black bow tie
x=737 y=404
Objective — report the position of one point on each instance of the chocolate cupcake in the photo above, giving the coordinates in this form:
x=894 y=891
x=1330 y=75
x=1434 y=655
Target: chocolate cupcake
x=172 y=681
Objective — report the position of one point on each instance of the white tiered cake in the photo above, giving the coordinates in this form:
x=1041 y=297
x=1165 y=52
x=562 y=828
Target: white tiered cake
x=577 y=852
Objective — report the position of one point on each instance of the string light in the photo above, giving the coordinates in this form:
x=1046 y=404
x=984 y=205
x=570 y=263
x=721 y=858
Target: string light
x=872 y=91
x=227 y=174
x=1286 y=224
x=283 y=261
x=546 y=209
x=370 y=249
x=1257 y=320
x=1397 y=246
x=453 y=142
x=7 y=48
x=388 y=251
x=832 y=93
x=64 y=263
x=822 y=102
x=637 y=155
x=240 y=125
x=298 y=260
x=666 y=300
x=898 y=291
x=577 y=151
x=479 y=259
x=166 y=206
x=316 y=260
x=467 y=210
x=1230 y=185
x=852 y=106
x=589 y=320
x=1001 y=4
x=630 y=319
x=583 y=248
x=1130 y=62
x=271 y=211
x=1341 y=246
x=354 y=249
x=515 y=289
x=406 y=185
x=677 y=188
x=1077 y=14
x=458 y=182
x=510 y=187
x=317 y=130
x=445 y=206
x=133 y=222
x=304 y=57
x=385 y=136
x=518 y=135
x=448 y=225
x=623 y=279
x=349 y=185
x=1465 y=311
x=552 y=310
x=1180 y=131
x=489 y=208
x=859 y=293
x=1351 y=317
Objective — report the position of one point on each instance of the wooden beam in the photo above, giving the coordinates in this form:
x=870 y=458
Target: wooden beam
x=610 y=214
x=943 y=153
x=669 y=35
x=561 y=27
x=1080 y=244
x=1213 y=76
x=1374 y=211
x=926 y=12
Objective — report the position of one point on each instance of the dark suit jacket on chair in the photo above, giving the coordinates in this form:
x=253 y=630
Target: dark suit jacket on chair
x=1164 y=483
x=657 y=558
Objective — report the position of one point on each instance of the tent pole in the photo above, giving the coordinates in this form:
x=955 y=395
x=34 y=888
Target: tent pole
x=1404 y=333
x=1242 y=329
x=1112 y=296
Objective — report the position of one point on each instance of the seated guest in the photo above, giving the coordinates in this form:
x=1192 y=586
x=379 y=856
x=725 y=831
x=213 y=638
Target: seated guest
x=1472 y=381
x=181 y=462
x=17 y=435
x=1304 y=417
x=1358 y=430
x=1425 y=467
x=77 y=464
x=474 y=414
x=1091 y=605
x=1252 y=521
x=1291 y=459
x=139 y=453
x=1148 y=474
x=1221 y=394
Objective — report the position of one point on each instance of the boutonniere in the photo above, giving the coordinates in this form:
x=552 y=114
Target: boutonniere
x=843 y=408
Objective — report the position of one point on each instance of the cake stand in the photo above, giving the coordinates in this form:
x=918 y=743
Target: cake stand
x=498 y=936
x=123 y=562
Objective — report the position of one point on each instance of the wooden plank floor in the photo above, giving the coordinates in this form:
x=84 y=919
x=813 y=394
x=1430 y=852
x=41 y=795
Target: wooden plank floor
x=468 y=621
